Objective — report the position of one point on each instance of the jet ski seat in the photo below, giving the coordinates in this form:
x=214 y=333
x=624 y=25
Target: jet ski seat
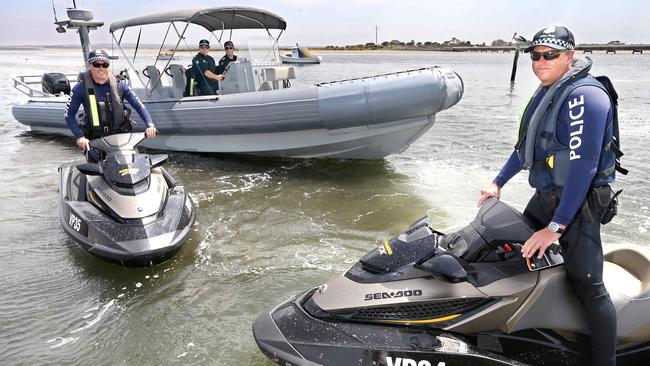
x=627 y=278
x=635 y=262
x=626 y=273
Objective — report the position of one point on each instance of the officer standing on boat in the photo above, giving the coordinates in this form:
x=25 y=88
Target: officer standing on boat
x=104 y=111
x=568 y=140
x=206 y=73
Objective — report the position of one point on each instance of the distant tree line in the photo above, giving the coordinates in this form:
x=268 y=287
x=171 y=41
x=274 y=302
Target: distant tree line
x=429 y=45
x=413 y=45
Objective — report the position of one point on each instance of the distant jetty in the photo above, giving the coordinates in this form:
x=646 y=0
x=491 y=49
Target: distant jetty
x=590 y=48
x=585 y=48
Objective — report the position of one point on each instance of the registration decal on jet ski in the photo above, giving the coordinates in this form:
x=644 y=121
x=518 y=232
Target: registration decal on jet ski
x=393 y=295
x=77 y=224
x=399 y=361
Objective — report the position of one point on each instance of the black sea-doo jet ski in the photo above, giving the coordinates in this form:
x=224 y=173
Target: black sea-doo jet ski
x=126 y=209
x=466 y=298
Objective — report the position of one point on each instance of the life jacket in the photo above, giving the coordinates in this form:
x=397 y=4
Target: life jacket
x=538 y=147
x=105 y=115
x=191 y=86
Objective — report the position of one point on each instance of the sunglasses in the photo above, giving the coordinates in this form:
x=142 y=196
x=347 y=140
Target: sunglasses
x=204 y=47
x=97 y=65
x=229 y=48
x=548 y=55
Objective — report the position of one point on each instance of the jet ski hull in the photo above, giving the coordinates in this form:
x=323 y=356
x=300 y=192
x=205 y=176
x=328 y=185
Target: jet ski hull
x=289 y=335
x=132 y=243
x=318 y=342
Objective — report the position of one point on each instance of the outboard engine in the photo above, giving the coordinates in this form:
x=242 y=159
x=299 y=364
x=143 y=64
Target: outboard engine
x=55 y=83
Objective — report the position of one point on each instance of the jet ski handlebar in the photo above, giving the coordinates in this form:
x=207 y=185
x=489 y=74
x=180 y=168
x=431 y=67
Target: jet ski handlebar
x=118 y=142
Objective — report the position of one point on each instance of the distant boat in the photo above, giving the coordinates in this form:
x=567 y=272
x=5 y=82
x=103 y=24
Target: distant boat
x=300 y=55
x=168 y=54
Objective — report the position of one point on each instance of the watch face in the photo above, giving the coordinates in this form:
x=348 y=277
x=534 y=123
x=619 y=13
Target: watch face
x=554 y=227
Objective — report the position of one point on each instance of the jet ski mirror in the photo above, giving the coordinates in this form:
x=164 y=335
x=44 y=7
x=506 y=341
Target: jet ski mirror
x=91 y=169
x=446 y=266
x=158 y=160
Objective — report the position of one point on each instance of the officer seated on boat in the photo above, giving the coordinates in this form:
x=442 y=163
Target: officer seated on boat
x=229 y=57
x=207 y=73
x=104 y=111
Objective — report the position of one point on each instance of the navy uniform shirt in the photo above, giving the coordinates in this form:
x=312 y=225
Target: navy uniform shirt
x=78 y=97
x=202 y=64
x=592 y=107
x=223 y=63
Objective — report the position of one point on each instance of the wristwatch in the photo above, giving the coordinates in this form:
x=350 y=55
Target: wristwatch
x=555 y=227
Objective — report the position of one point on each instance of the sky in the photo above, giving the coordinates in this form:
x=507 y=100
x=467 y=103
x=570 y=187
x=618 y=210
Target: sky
x=322 y=23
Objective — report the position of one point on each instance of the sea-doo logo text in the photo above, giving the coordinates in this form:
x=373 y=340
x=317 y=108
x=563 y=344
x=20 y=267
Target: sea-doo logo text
x=393 y=295
x=126 y=171
x=75 y=222
x=398 y=361
x=576 y=125
x=385 y=249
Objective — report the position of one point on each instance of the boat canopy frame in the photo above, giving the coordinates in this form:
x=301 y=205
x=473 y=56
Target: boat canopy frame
x=212 y=19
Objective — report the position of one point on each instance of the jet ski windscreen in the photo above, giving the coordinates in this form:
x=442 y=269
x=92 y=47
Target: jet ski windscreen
x=417 y=242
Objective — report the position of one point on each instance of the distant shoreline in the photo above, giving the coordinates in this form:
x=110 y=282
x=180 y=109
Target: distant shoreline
x=587 y=48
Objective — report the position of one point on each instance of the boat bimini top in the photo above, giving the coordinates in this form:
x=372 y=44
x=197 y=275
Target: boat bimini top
x=212 y=19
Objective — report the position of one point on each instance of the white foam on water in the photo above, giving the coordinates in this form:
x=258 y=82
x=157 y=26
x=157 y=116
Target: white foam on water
x=61 y=341
x=90 y=323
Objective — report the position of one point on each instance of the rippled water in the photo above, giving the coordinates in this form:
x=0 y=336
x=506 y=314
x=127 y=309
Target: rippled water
x=266 y=228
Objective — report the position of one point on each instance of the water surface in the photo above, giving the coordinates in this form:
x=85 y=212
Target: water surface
x=266 y=228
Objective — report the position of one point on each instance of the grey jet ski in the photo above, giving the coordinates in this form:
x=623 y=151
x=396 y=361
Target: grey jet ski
x=466 y=298
x=126 y=209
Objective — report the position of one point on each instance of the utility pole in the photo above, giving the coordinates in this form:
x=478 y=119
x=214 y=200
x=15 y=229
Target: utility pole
x=376 y=40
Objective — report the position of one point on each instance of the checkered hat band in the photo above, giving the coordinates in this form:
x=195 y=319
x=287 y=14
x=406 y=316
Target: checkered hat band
x=555 y=41
x=99 y=58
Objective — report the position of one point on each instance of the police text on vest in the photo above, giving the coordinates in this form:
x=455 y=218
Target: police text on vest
x=575 y=114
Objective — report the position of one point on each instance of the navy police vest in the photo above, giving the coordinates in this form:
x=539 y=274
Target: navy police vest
x=549 y=166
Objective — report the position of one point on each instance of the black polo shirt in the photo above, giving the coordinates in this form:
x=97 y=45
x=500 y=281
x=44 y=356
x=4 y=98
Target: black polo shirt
x=223 y=63
x=202 y=64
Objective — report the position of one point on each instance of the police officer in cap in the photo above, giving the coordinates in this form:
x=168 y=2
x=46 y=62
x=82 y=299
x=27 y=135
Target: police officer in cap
x=566 y=142
x=206 y=72
x=229 y=57
x=104 y=111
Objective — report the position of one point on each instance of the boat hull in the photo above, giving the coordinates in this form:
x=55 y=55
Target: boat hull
x=366 y=118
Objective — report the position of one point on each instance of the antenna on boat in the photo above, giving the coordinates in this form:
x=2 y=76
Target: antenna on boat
x=518 y=40
x=59 y=28
x=80 y=20
x=137 y=44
